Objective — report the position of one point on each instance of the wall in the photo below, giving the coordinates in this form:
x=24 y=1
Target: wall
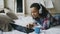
x=55 y=3
x=9 y=4
x=1 y=4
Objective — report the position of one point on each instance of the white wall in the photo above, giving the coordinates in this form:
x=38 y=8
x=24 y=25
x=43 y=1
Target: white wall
x=1 y=4
x=57 y=5
x=10 y=4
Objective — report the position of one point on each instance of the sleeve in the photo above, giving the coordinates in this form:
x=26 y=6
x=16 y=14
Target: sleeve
x=46 y=23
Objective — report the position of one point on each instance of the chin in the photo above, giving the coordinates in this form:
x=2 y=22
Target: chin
x=34 y=17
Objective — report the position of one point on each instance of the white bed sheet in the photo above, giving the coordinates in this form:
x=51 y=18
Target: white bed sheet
x=23 y=21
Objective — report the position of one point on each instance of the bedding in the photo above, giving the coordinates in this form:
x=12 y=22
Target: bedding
x=12 y=15
x=4 y=22
x=23 y=21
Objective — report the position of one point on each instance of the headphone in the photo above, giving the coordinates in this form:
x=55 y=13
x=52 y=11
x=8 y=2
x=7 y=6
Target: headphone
x=40 y=10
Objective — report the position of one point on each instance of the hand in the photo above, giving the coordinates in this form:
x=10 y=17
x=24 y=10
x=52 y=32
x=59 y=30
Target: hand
x=30 y=26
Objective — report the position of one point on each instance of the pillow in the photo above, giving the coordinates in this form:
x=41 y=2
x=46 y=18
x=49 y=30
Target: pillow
x=4 y=22
x=5 y=19
x=2 y=11
x=12 y=15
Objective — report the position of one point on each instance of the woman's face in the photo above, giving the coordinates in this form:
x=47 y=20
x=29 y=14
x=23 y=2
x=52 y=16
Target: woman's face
x=34 y=12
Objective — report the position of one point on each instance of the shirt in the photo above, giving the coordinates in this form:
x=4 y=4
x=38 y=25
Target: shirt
x=44 y=22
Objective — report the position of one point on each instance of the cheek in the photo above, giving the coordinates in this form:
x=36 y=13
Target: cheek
x=33 y=14
x=36 y=14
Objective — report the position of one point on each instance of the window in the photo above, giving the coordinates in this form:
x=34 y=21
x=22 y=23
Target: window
x=19 y=7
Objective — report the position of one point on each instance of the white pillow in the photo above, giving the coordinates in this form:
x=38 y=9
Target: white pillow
x=5 y=19
x=4 y=22
x=12 y=15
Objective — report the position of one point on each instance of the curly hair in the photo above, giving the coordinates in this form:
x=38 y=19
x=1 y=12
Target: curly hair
x=36 y=5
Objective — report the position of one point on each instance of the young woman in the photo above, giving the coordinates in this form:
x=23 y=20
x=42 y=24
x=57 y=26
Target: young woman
x=41 y=15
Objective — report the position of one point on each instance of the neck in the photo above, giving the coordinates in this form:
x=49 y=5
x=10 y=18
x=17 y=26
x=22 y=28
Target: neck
x=37 y=17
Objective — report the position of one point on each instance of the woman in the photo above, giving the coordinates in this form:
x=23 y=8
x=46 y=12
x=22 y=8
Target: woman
x=43 y=17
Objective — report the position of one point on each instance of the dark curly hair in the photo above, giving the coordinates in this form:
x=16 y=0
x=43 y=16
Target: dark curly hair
x=44 y=13
x=35 y=5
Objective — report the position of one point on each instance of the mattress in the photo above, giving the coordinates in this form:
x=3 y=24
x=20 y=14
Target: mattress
x=23 y=21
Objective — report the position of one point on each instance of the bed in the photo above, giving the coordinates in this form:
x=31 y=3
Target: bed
x=23 y=21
